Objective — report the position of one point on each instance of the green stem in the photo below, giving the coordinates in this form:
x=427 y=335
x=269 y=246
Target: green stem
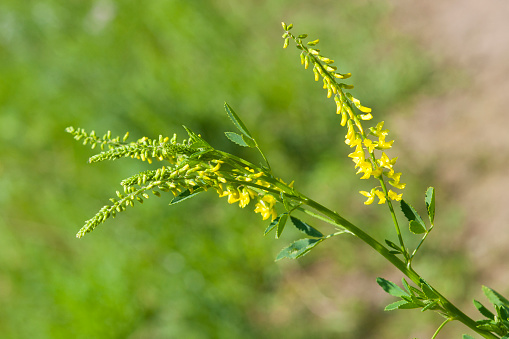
x=440 y=327
x=452 y=310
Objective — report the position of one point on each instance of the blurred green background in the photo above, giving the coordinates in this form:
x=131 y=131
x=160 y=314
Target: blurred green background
x=201 y=269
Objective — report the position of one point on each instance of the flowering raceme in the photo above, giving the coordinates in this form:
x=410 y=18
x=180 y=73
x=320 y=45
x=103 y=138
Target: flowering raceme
x=364 y=156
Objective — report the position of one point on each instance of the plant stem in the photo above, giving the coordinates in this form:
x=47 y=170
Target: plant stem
x=453 y=311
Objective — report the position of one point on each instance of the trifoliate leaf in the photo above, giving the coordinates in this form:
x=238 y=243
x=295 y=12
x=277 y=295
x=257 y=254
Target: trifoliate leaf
x=391 y=288
x=430 y=204
x=186 y=195
x=236 y=121
x=303 y=227
x=483 y=310
x=416 y=227
x=298 y=248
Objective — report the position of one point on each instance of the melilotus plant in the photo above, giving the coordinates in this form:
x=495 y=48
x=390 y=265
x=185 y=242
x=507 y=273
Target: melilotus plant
x=193 y=166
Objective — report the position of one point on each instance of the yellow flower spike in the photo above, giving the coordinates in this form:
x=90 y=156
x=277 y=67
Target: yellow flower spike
x=370 y=195
x=395 y=196
x=381 y=197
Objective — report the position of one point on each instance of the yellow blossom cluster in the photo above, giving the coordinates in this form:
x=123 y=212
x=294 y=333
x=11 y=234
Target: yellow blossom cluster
x=363 y=156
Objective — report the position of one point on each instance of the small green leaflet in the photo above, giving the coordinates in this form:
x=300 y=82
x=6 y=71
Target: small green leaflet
x=391 y=288
x=281 y=219
x=495 y=297
x=416 y=224
x=298 y=248
x=281 y=225
x=483 y=310
x=430 y=204
x=186 y=195
x=466 y=336
x=236 y=121
x=240 y=140
x=303 y=227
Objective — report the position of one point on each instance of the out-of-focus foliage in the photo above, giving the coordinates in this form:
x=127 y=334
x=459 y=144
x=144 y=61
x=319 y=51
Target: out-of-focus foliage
x=149 y=67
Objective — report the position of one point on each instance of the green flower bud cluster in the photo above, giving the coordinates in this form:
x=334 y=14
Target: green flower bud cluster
x=189 y=170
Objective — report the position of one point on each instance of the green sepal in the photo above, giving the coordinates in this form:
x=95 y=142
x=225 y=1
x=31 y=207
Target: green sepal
x=236 y=121
x=483 y=310
x=416 y=228
x=240 y=140
x=391 y=288
x=186 y=195
x=196 y=141
x=298 y=248
x=411 y=214
x=430 y=203
x=305 y=228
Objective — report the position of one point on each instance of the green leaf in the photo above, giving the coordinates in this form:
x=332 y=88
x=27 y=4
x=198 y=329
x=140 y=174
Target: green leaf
x=236 y=121
x=393 y=245
x=391 y=288
x=428 y=291
x=430 y=305
x=466 y=336
x=276 y=223
x=241 y=140
x=186 y=195
x=411 y=214
x=298 y=248
x=303 y=227
x=430 y=203
x=397 y=305
x=484 y=311
x=416 y=227
x=281 y=225
x=495 y=297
